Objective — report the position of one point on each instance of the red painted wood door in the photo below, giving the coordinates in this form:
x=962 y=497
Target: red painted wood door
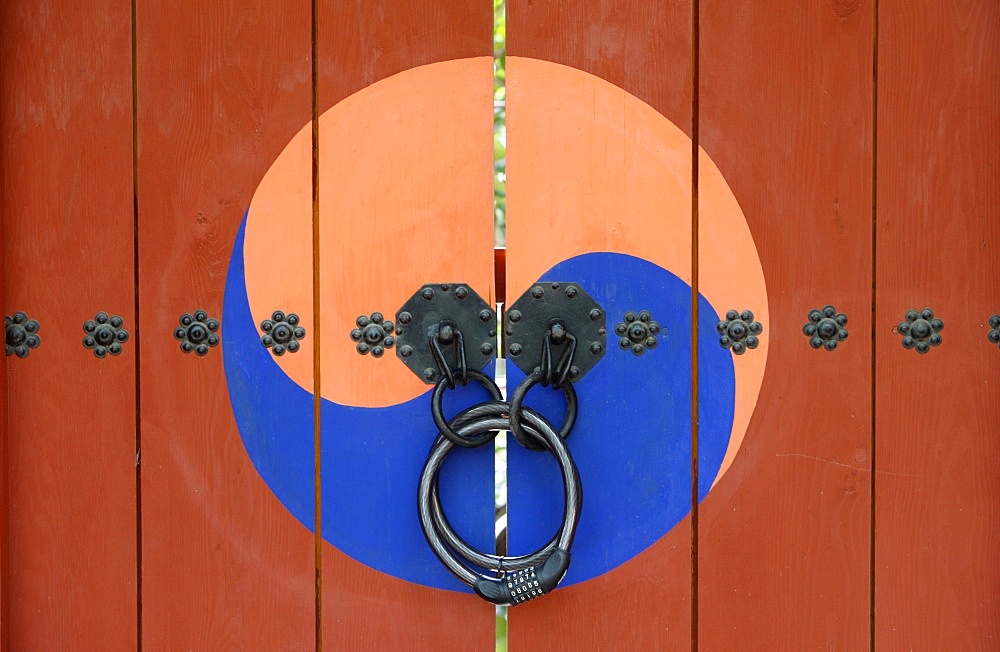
x=688 y=158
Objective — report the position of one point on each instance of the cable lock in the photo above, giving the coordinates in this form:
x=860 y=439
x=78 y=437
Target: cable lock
x=520 y=578
x=555 y=333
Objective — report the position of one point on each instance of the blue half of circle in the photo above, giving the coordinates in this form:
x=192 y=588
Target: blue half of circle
x=632 y=441
x=371 y=458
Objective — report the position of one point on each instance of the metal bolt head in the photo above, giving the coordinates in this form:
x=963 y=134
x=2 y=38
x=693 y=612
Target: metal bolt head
x=197 y=333
x=446 y=333
x=537 y=292
x=16 y=335
x=637 y=332
x=282 y=333
x=374 y=333
x=827 y=328
x=738 y=330
x=921 y=329
x=515 y=349
x=514 y=316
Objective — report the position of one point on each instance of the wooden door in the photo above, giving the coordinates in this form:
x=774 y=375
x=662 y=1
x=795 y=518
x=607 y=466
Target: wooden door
x=188 y=178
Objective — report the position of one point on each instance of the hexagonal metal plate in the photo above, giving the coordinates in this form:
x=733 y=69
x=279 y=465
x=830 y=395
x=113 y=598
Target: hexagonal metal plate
x=530 y=317
x=421 y=317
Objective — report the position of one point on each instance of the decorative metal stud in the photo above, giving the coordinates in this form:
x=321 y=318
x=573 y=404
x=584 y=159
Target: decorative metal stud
x=826 y=328
x=921 y=330
x=993 y=336
x=104 y=334
x=282 y=332
x=197 y=332
x=739 y=331
x=21 y=334
x=637 y=332
x=373 y=334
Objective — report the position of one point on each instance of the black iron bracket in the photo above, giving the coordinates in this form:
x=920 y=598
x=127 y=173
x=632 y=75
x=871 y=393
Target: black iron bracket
x=556 y=323
x=445 y=327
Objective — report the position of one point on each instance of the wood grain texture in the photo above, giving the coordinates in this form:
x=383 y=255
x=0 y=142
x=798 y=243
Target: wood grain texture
x=65 y=129
x=785 y=112
x=222 y=88
x=361 y=44
x=645 y=49
x=937 y=574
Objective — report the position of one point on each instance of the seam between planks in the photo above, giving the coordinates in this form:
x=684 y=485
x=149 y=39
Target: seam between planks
x=317 y=395
x=874 y=268
x=137 y=339
x=695 y=53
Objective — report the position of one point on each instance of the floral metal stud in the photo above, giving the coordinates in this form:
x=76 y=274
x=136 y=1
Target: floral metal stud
x=104 y=334
x=21 y=334
x=637 y=332
x=826 y=328
x=373 y=334
x=921 y=330
x=282 y=332
x=739 y=331
x=197 y=332
x=993 y=336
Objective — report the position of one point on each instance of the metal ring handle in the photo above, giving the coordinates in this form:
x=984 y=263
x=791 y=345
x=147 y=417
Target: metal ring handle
x=516 y=409
x=437 y=410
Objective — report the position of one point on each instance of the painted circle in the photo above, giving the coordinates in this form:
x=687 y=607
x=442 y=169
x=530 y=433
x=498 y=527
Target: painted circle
x=375 y=414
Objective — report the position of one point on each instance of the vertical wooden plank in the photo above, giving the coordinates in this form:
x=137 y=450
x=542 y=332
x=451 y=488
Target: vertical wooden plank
x=599 y=99
x=405 y=198
x=785 y=112
x=66 y=155
x=4 y=471
x=937 y=574
x=222 y=90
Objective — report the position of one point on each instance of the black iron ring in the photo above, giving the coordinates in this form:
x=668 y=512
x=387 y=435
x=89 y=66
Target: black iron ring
x=516 y=410
x=539 y=572
x=437 y=410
